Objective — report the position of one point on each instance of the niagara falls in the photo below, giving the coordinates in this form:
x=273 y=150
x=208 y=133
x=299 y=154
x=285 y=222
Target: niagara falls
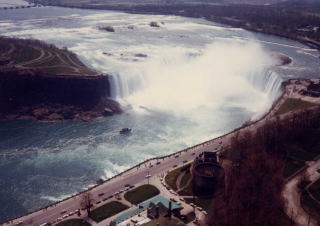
x=180 y=83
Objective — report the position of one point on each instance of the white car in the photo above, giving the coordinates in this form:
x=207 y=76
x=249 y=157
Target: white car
x=148 y=176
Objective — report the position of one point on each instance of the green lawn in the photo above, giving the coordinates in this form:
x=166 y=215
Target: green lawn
x=141 y=193
x=172 y=176
x=185 y=179
x=73 y=222
x=187 y=190
x=107 y=210
x=59 y=69
x=293 y=104
x=25 y=53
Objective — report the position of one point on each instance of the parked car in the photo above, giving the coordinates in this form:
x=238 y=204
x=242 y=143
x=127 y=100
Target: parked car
x=63 y=212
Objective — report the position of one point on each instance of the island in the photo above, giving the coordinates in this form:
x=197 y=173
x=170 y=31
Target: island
x=39 y=81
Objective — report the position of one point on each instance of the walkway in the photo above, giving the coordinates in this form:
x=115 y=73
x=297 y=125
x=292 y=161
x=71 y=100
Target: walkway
x=292 y=195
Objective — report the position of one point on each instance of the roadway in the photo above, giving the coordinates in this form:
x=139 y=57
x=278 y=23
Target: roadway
x=137 y=175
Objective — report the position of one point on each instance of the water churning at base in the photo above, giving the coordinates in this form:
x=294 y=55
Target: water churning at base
x=182 y=80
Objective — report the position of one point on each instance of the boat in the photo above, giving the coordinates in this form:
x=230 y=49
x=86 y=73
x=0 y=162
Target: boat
x=125 y=131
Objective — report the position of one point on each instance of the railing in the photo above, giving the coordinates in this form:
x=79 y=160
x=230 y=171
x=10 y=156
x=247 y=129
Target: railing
x=245 y=125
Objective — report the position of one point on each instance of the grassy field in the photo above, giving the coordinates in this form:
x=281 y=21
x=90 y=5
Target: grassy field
x=73 y=222
x=185 y=179
x=293 y=104
x=108 y=210
x=24 y=54
x=141 y=193
x=172 y=176
x=187 y=191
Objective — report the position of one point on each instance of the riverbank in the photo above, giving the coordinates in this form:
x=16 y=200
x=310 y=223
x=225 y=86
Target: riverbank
x=299 y=26
x=136 y=174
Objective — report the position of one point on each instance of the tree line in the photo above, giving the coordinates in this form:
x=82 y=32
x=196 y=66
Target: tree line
x=254 y=180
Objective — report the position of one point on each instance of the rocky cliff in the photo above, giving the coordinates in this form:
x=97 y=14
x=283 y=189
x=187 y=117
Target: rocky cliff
x=30 y=94
x=40 y=81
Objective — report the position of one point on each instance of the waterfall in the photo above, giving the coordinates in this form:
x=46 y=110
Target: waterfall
x=183 y=79
x=273 y=85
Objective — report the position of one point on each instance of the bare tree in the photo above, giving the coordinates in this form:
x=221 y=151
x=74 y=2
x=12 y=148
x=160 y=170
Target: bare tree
x=87 y=202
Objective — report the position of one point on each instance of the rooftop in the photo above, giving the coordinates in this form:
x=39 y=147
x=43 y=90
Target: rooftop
x=143 y=206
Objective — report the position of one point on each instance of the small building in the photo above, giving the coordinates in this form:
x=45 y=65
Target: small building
x=153 y=208
x=207 y=174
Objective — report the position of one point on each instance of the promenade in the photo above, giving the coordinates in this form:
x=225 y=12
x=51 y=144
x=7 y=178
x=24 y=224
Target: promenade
x=155 y=167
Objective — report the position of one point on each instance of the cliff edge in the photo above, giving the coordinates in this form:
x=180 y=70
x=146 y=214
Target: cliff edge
x=39 y=81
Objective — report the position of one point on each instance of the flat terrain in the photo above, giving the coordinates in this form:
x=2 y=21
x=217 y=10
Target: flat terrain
x=33 y=55
x=141 y=193
x=107 y=210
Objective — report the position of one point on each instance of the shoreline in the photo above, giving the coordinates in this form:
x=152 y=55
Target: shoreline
x=157 y=10
x=269 y=115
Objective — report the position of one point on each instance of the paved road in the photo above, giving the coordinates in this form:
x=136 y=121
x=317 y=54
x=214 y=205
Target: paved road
x=135 y=176
x=292 y=195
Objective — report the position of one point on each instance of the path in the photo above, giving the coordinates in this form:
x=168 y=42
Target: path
x=292 y=195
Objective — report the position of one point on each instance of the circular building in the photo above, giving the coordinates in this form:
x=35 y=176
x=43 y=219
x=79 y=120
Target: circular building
x=207 y=174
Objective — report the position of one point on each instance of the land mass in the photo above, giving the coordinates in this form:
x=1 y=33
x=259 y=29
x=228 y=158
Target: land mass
x=42 y=82
x=297 y=20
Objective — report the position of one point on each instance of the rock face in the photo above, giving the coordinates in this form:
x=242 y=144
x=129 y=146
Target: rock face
x=30 y=94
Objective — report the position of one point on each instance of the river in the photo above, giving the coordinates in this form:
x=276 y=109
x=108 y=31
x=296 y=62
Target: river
x=181 y=83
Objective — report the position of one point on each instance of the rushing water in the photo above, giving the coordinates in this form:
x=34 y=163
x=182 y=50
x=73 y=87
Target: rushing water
x=182 y=83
